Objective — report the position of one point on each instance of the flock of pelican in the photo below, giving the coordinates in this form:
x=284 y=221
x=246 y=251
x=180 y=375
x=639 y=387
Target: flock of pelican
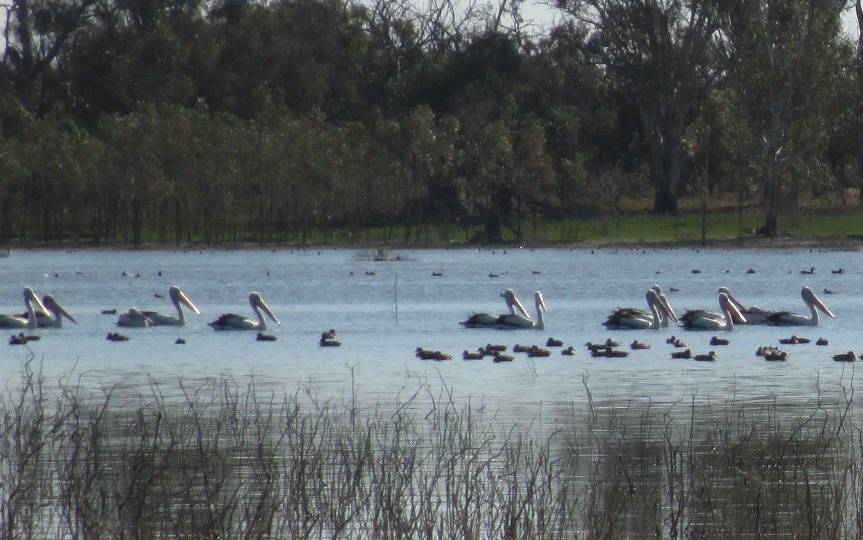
x=48 y=313
x=732 y=312
x=659 y=314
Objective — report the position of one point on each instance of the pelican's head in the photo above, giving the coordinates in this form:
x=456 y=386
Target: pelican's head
x=257 y=302
x=740 y=307
x=54 y=307
x=179 y=297
x=812 y=300
x=514 y=303
x=540 y=301
x=30 y=298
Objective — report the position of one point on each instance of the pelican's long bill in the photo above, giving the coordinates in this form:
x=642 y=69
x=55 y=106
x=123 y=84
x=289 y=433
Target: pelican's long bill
x=55 y=311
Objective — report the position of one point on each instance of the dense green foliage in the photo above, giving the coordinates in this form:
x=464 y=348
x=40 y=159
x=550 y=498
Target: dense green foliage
x=173 y=121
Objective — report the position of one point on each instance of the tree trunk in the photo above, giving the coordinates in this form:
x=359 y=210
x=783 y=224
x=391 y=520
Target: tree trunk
x=664 y=202
x=771 y=198
x=859 y=10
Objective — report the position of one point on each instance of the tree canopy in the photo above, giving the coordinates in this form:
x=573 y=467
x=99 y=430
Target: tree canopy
x=134 y=121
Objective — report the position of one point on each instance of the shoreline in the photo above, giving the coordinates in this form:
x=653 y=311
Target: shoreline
x=751 y=242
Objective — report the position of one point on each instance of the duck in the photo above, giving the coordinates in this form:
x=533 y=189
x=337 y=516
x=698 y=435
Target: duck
x=265 y=337
x=21 y=339
x=638 y=345
x=328 y=339
x=775 y=355
x=615 y=353
x=845 y=357
x=538 y=352
x=709 y=357
x=793 y=340
x=116 y=336
x=715 y=340
x=682 y=354
x=425 y=354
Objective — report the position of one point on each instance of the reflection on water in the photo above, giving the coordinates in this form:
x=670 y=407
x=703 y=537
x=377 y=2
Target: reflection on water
x=645 y=443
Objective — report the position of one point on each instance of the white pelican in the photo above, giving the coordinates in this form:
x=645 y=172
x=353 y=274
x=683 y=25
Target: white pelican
x=635 y=319
x=231 y=321
x=703 y=320
x=515 y=322
x=753 y=314
x=177 y=297
x=15 y=321
x=134 y=318
x=55 y=313
x=487 y=320
x=787 y=318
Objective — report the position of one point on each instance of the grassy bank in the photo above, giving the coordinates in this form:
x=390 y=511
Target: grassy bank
x=226 y=462
x=812 y=222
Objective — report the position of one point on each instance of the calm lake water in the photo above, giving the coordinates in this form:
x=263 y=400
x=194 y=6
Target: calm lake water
x=383 y=311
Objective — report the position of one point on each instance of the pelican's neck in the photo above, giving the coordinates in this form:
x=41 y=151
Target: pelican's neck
x=813 y=320
x=262 y=324
x=56 y=317
x=181 y=315
x=540 y=322
x=658 y=319
x=729 y=319
x=31 y=318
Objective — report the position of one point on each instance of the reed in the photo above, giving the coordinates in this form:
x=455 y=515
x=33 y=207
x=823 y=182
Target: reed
x=221 y=460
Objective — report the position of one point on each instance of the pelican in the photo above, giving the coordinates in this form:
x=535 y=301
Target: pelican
x=787 y=318
x=702 y=320
x=177 y=297
x=487 y=320
x=55 y=313
x=753 y=314
x=637 y=319
x=515 y=322
x=231 y=321
x=134 y=318
x=15 y=321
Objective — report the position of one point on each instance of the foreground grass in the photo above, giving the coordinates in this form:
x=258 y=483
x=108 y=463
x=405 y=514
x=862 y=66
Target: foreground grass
x=225 y=462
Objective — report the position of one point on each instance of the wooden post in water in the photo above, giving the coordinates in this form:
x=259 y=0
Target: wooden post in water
x=396 y=297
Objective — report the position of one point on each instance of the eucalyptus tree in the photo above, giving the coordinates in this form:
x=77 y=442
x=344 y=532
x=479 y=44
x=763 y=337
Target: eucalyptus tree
x=781 y=57
x=586 y=129
x=486 y=160
x=36 y=34
x=858 y=10
x=655 y=53
x=426 y=147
